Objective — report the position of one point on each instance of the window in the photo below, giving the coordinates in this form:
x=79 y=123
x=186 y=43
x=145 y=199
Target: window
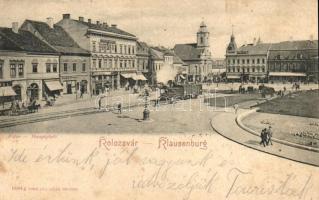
x=253 y=61
x=48 y=67
x=258 y=61
x=238 y=61
x=253 y=69
x=110 y=63
x=94 y=46
x=201 y=40
x=13 y=72
x=243 y=61
x=1 y=70
x=247 y=61
x=133 y=64
x=263 y=61
x=133 y=50
x=74 y=67
x=115 y=46
x=83 y=67
x=34 y=67
x=233 y=61
x=238 y=70
x=100 y=63
x=129 y=50
x=228 y=61
x=121 y=48
x=65 y=67
x=248 y=70
x=105 y=63
x=121 y=63
x=263 y=69
x=94 y=63
x=125 y=64
x=55 y=67
x=20 y=70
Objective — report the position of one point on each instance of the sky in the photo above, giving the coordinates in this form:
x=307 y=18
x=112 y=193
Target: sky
x=171 y=22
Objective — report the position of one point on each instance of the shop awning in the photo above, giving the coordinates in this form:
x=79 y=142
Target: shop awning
x=295 y=74
x=140 y=77
x=53 y=85
x=7 y=91
x=233 y=77
x=181 y=76
x=127 y=75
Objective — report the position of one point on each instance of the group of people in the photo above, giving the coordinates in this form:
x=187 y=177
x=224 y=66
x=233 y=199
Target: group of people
x=266 y=135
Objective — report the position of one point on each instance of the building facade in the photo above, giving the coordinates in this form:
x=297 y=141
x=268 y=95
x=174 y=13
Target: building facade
x=248 y=62
x=143 y=60
x=28 y=65
x=293 y=61
x=113 y=51
x=197 y=56
x=74 y=61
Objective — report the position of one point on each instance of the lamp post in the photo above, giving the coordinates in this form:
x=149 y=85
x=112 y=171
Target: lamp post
x=146 y=112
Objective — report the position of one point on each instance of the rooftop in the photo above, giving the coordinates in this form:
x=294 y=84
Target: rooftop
x=23 y=41
x=57 y=37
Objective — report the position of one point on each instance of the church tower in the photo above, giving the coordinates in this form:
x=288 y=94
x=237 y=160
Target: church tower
x=232 y=46
x=202 y=36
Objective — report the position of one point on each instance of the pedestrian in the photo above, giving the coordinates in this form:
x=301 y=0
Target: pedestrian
x=119 y=108
x=269 y=135
x=82 y=91
x=100 y=101
x=236 y=108
x=263 y=137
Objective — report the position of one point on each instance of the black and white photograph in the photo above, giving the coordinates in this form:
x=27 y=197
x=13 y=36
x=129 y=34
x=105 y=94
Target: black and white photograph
x=138 y=100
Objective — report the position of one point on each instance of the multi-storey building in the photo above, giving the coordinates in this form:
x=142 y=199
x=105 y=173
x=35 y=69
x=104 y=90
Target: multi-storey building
x=248 y=62
x=28 y=65
x=113 y=51
x=197 y=55
x=143 y=60
x=292 y=61
x=74 y=61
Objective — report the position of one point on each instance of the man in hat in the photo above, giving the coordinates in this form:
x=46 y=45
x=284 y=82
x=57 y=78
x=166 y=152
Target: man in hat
x=269 y=135
x=263 y=137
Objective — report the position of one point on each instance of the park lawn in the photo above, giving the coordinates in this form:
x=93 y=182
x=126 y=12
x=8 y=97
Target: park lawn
x=232 y=100
x=302 y=103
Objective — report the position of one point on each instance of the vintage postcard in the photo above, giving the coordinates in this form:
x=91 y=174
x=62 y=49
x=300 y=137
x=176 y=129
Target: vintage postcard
x=140 y=100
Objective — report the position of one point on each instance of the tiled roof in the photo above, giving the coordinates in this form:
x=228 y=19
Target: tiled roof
x=261 y=48
x=187 y=51
x=295 y=45
x=23 y=41
x=156 y=55
x=304 y=49
x=142 y=48
x=58 y=38
x=106 y=28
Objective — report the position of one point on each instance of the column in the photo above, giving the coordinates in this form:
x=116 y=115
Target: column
x=118 y=80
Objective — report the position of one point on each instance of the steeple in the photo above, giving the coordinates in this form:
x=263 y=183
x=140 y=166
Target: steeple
x=202 y=36
x=232 y=46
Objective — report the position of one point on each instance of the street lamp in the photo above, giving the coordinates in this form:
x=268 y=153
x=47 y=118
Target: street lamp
x=146 y=112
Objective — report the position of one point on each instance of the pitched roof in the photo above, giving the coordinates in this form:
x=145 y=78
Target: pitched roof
x=187 y=51
x=295 y=45
x=107 y=28
x=58 y=38
x=294 y=49
x=142 y=48
x=156 y=55
x=261 y=48
x=23 y=41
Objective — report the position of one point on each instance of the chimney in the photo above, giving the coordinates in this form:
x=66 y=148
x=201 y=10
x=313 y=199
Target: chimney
x=104 y=24
x=89 y=21
x=50 y=22
x=97 y=22
x=15 y=27
x=66 y=16
x=114 y=25
x=81 y=19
